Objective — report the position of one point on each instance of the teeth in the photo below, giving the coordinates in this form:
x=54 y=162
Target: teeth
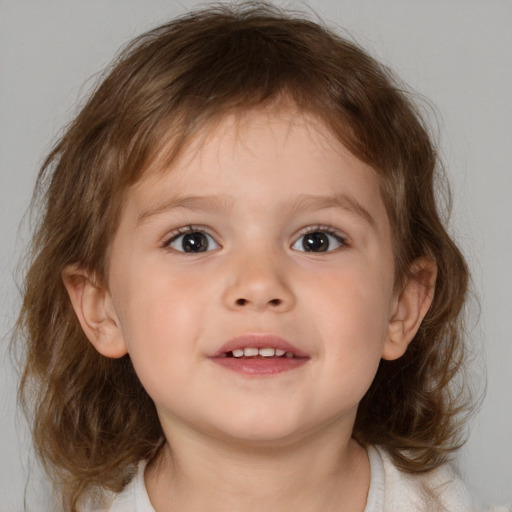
x=263 y=352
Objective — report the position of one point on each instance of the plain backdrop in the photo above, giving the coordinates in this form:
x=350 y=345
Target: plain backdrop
x=457 y=53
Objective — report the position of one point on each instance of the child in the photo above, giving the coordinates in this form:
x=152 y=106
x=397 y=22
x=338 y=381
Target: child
x=241 y=295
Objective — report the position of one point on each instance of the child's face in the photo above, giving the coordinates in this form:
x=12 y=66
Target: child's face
x=287 y=239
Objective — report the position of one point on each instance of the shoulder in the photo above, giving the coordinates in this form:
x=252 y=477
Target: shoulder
x=438 y=490
x=133 y=498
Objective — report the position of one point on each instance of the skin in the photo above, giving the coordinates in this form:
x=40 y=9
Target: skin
x=241 y=441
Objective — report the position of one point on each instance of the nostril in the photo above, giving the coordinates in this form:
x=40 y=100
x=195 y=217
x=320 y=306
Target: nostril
x=244 y=302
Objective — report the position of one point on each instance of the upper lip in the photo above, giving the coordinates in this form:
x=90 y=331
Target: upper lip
x=259 y=340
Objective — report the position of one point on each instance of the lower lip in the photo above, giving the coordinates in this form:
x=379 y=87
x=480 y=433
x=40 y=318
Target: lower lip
x=260 y=366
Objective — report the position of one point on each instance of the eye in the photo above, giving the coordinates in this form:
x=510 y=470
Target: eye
x=192 y=241
x=319 y=240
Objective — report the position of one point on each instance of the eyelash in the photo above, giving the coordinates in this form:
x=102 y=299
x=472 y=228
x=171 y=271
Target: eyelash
x=342 y=239
x=185 y=230
x=190 y=229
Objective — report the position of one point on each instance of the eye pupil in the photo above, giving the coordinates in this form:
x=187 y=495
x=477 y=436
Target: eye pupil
x=315 y=242
x=194 y=242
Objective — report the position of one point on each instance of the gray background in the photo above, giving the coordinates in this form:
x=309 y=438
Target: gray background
x=457 y=53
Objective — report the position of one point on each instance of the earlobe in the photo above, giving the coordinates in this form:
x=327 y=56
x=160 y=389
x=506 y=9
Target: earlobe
x=93 y=307
x=410 y=307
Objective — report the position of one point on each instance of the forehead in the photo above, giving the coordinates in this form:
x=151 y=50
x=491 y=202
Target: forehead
x=259 y=157
x=252 y=137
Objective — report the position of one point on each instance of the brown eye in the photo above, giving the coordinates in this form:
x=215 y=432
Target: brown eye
x=193 y=242
x=318 y=241
x=315 y=242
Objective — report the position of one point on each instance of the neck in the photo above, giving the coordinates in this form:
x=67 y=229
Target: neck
x=325 y=473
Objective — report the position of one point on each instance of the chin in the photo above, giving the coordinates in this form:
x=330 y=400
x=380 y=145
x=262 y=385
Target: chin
x=261 y=432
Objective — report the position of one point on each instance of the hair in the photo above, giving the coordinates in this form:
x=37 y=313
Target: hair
x=92 y=420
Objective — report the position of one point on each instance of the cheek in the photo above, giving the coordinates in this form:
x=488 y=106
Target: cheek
x=355 y=300
x=161 y=345
x=165 y=322
x=354 y=330
x=351 y=314
x=158 y=317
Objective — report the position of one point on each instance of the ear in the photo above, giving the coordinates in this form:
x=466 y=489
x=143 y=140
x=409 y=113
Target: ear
x=95 y=311
x=410 y=307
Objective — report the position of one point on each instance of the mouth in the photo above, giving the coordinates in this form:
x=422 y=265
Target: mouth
x=259 y=354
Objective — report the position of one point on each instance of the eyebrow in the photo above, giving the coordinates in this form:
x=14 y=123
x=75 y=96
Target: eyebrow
x=343 y=201
x=199 y=203
x=222 y=203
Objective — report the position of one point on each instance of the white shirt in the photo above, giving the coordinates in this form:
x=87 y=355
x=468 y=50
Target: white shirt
x=391 y=490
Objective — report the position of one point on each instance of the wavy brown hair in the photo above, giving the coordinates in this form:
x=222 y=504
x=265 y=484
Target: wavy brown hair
x=92 y=420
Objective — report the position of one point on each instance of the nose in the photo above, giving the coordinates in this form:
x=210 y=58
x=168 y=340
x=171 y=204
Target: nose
x=258 y=283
